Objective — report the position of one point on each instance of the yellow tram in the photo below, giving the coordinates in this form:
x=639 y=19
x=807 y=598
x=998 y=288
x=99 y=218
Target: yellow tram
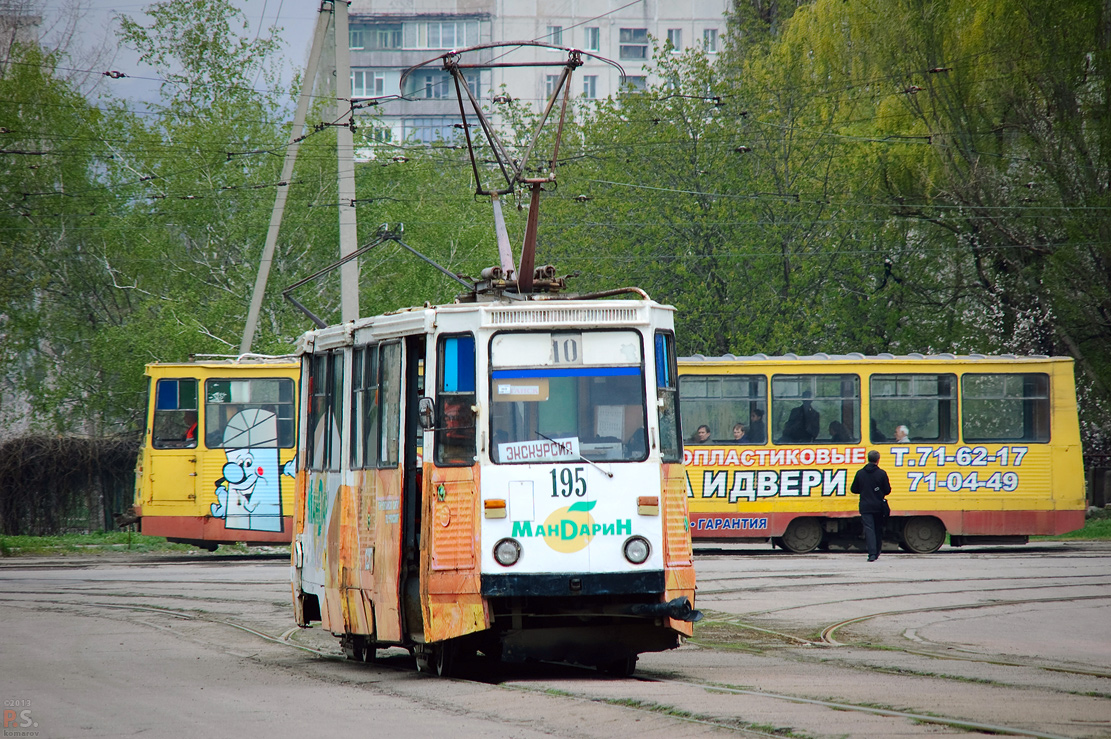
x=985 y=449
x=218 y=457
x=498 y=476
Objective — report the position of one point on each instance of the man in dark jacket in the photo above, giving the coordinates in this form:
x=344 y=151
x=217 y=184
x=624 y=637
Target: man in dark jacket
x=872 y=485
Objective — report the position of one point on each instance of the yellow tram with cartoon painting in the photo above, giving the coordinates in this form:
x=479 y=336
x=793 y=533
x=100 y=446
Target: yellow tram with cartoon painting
x=218 y=457
x=984 y=449
x=498 y=476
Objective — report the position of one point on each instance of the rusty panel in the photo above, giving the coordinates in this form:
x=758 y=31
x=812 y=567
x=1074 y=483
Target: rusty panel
x=452 y=582
x=380 y=549
x=676 y=528
x=454 y=515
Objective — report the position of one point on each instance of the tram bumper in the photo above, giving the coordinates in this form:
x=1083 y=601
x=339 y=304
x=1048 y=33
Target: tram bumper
x=679 y=609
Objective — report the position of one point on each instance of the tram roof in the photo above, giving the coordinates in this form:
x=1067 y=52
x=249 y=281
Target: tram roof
x=561 y=313
x=857 y=357
x=221 y=361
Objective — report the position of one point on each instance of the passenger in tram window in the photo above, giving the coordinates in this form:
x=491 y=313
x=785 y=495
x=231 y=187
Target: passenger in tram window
x=756 y=429
x=701 y=435
x=803 y=424
x=739 y=433
x=838 y=433
x=877 y=435
x=902 y=435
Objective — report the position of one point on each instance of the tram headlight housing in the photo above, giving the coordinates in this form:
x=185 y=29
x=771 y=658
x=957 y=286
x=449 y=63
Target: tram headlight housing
x=637 y=549
x=507 y=552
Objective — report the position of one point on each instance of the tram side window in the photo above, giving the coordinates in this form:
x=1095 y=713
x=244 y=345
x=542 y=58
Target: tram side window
x=323 y=424
x=390 y=400
x=175 y=414
x=822 y=409
x=455 y=425
x=253 y=412
x=721 y=403
x=1005 y=407
x=668 y=398
x=365 y=422
x=925 y=404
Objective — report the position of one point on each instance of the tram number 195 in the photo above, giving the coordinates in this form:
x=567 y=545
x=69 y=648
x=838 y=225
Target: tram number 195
x=568 y=482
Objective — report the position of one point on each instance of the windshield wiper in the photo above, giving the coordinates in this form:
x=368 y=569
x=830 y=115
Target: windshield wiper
x=588 y=461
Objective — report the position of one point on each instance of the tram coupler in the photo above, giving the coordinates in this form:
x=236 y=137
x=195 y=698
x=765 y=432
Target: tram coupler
x=679 y=609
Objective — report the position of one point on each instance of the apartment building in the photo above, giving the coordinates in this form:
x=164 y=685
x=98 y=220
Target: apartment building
x=390 y=36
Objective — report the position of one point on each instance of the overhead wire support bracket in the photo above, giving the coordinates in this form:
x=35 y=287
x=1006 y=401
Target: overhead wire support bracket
x=513 y=170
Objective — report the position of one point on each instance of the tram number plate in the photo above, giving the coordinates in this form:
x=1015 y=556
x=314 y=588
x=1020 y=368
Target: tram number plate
x=568 y=481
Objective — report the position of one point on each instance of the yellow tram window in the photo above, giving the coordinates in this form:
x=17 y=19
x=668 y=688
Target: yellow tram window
x=1005 y=407
x=816 y=408
x=925 y=404
x=723 y=402
x=175 y=414
x=257 y=407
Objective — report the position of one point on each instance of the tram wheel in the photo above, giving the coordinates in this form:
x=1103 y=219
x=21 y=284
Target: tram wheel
x=443 y=658
x=620 y=667
x=354 y=647
x=802 y=535
x=922 y=535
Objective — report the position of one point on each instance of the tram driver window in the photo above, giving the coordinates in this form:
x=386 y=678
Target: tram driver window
x=175 y=414
x=455 y=416
x=925 y=404
x=563 y=396
x=1005 y=407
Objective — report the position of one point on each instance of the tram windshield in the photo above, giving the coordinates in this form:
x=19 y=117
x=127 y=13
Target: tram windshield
x=562 y=396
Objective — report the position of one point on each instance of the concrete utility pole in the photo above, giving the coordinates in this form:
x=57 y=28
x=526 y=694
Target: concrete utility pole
x=349 y=276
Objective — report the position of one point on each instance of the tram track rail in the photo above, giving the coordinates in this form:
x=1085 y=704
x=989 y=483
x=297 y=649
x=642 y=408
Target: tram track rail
x=734 y=725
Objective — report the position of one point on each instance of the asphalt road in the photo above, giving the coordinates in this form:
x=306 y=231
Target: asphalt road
x=964 y=641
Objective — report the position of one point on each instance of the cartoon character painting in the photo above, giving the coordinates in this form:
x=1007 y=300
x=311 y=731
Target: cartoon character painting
x=249 y=494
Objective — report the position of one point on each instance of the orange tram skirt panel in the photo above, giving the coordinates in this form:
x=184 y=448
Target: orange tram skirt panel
x=207 y=528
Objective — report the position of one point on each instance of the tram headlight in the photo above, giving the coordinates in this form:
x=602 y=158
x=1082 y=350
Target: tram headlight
x=507 y=552
x=637 y=549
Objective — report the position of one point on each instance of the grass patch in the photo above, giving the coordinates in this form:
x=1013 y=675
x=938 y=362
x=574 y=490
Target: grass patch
x=1097 y=527
x=100 y=542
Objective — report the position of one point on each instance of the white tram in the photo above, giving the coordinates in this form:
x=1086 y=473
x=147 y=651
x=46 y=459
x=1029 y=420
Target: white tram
x=499 y=477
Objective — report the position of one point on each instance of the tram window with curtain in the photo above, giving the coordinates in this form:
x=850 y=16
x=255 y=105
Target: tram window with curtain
x=175 y=414
x=668 y=397
x=925 y=404
x=721 y=402
x=1005 y=407
x=364 y=408
x=455 y=399
x=822 y=409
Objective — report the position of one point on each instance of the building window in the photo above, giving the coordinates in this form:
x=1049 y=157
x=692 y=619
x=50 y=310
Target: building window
x=550 y=81
x=710 y=40
x=634 y=43
x=428 y=130
x=355 y=38
x=440 y=34
x=385 y=36
x=590 y=86
x=636 y=83
x=437 y=86
x=675 y=38
x=555 y=35
x=367 y=83
x=592 y=42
